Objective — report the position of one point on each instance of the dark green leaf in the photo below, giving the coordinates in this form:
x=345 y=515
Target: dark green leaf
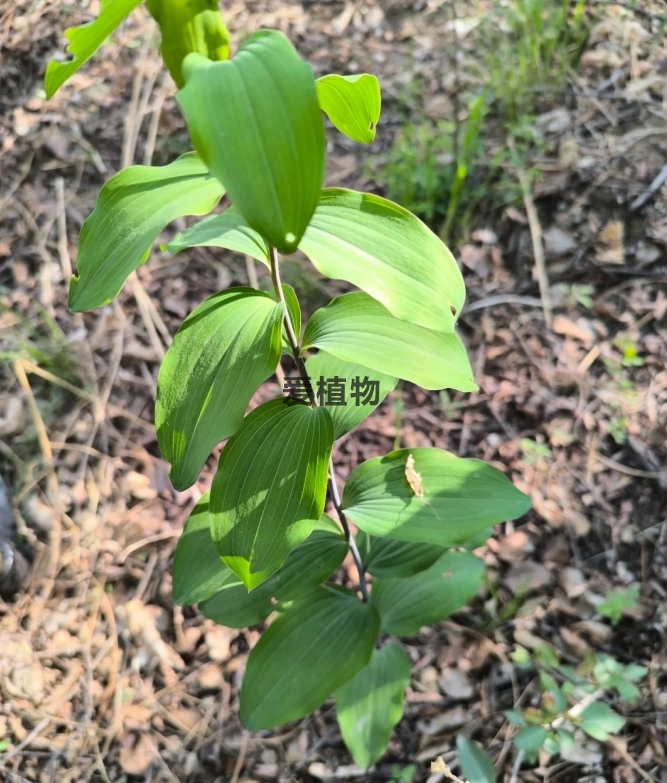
x=84 y=41
x=356 y=380
x=256 y=122
x=388 y=253
x=235 y=607
x=269 y=490
x=221 y=354
x=312 y=648
x=476 y=766
x=189 y=26
x=461 y=497
x=405 y=605
x=389 y=558
x=356 y=328
x=131 y=210
x=530 y=738
x=227 y=230
x=352 y=103
x=370 y=704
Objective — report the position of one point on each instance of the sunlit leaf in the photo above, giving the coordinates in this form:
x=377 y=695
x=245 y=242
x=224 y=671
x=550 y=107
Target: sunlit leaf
x=131 y=210
x=312 y=648
x=221 y=354
x=84 y=41
x=352 y=103
x=256 y=122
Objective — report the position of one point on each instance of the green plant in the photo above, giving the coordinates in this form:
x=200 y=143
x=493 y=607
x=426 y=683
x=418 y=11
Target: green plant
x=530 y=48
x=259 y=542
x=617 y=602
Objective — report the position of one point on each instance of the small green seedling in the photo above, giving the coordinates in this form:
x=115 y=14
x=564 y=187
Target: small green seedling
x=618 y=602
x=259 y=542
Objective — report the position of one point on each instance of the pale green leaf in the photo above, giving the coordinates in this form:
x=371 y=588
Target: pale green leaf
x=388 y=253
x=227 y=230
x=356 y=328
x=294 y=310
x=476 y=766
x=530 y=738
x=256 y=122
x=461 y=497
x=131 y=210
x=390 y=558
x=270 y=487
x=225 y=349
x=312 y=648
x=599 y=721
x=352 y=103
x=370 y=704
x=84 y=41
x=359 y=384
x=189 y=26
x=405 y=605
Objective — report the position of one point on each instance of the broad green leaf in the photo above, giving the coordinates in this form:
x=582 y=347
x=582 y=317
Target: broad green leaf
x=461 y=497
x=515 y=717
x=131 y=210
x=352 y=103
x=256 y=122
x=227 y=230
x=389 y=558
x=312 y=648
x=235 y=607
x=370 y=704
x=476 y=766
x=363 y=389
x=566 y=739
x=270 y=487
x=530 y=738
x=388 y=253
x=225 y=349
x=356 y=328
x=189 y=26
x=405 y=605
x=551 y=744
x=599 y=721
x=84 y=41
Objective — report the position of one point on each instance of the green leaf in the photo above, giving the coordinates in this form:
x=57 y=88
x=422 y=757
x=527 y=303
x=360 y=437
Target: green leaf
x=356 y=328
x=599 y=721
x=312 y=562
x=515 y=717
x=388 y=253
x=476 y=766
x=312 y=648
x=131 y=210
x=530 y=738
x=405 y=605
x=352 y=103
x=225 y=349
x=356 y=380
x=265 y=139
x=84 y=41
x=189 y=26
x=461 y=497
x=389 y=558
x=565 y=739
x=370 y=704
x=551 y=744
x=227 y=230
x=270 y=487
x=235 y=607
x=294 y=310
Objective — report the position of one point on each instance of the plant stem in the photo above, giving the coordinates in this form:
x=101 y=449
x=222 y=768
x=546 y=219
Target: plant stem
x=301 y=367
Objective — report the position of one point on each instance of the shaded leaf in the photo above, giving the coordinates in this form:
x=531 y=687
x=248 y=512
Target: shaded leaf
x=405 y=605
x=131 y=210
x=390 y=558
x=189 y=26
x=461 y=497
x=352 y=103
x=370 y=704
x=84 y=41
x=220 y=356
x=312 y=648
x=358 y=380
x=476 y=766
x=387 y=252
x=356 y=328
x=235 y=607
x=270 y=487
x=266 y=141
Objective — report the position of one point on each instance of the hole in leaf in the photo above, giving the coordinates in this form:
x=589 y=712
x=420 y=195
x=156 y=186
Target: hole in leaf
x=371 y=126
x=453 y=310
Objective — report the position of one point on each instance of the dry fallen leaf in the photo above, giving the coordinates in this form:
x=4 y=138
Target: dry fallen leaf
x=414 y=478
x=137 y=754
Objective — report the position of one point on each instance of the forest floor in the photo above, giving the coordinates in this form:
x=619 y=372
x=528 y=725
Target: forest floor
x=101 y=677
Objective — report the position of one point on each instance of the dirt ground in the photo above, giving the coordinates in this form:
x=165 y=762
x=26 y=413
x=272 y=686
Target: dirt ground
x=101 y=677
